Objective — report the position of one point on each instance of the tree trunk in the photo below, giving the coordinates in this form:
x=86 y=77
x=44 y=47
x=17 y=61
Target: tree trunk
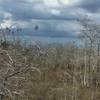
x=1 y=97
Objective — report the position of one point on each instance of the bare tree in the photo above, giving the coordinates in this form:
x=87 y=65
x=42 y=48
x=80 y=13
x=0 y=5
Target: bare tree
x=90 y=33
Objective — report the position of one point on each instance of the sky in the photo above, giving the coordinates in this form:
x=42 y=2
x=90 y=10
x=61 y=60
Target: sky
x=55 y=18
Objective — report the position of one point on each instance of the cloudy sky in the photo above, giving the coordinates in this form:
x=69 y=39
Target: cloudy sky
x=55 y=18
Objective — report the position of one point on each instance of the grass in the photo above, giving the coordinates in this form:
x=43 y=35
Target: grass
x=44 y=73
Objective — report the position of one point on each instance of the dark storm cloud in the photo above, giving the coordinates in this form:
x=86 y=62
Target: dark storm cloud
x=20 y=10
x=24 y=10
x=27 y=10
x=90 y=5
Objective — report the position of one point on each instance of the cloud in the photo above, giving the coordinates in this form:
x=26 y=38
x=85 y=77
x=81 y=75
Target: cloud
x=27 y=10
x=55 y=18
x=51 y=3
x=69 y=2
x=68 y=26
x=90 y=5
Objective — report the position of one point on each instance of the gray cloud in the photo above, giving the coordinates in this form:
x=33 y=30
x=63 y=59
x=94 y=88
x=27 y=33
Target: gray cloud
x=25 y=11
x=90 y=5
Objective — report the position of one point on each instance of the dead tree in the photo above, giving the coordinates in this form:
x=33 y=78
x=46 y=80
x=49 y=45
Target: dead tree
x=90 y=33
x=13 y=73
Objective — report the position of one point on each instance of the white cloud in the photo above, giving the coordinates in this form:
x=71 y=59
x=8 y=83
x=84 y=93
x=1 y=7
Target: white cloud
x=55 y=12
x=68 y=2
x=18 y=23
x=41 y=8
x=51 y=3
x=60 y=3
x=6 y=23
x=50 y=9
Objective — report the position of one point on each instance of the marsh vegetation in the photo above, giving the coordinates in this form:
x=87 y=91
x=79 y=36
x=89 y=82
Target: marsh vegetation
x=51 y=72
